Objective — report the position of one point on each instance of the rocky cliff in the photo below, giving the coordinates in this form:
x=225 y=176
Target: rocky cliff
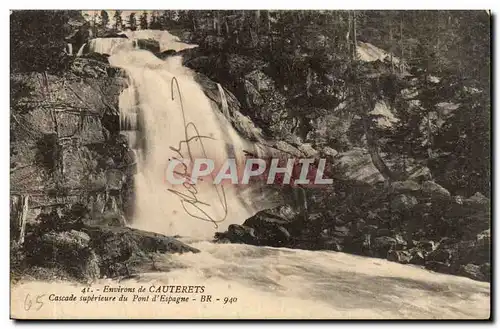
x=391 y=197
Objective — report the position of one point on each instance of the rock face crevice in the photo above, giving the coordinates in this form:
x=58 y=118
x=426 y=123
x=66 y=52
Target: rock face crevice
x=64 y=136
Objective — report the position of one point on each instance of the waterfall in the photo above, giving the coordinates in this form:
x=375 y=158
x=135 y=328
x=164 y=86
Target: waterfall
x=70 y=49
x=80 y=51
x=110 y=45
x=162 y=104
x=225 y=107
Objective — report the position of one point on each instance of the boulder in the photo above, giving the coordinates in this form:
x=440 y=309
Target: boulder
x=486 y=271
x=75 y=240
x=335 y=244
x=484 y=238
x=149 y=44
x=435 y=190
x=287 y=148
x=165 y=54
x=438 y=266
x=380 y=246
x=341 y=231
x=400 y=240
x=356 y=165
x=137 y=239
x=266 y=229
x=442 y=255
x=405 y=186
x=403 y=202
x=417 y=256
x=473 y=271
x=120 y=249
x=328 y=151
x=427 y=245
x=237 y=234
x=308 y=150
x=399 y=256
x=477 y=200
x=68 y=250
x=89 y=67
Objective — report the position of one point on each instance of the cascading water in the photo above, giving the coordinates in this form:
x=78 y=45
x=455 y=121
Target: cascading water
x=80 y=51
x=172 y=109
x=110 y=45
x=268 y=282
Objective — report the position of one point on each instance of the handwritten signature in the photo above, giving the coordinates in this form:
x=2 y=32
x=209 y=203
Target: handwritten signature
x=190 y=196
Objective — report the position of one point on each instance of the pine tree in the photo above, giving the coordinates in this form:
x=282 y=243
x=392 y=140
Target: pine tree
x=155 y=22
x=144 y=21
x=132 y=22
x=118 y=20
x=104 y=19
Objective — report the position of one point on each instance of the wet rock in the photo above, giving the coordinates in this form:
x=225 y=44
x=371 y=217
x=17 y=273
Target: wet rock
x=473 y=271
x=471 y=252
x=438 y=266
x=308 y=150
x=477 y=200
x=268 y=229
x=288 y=148
x=435 y=190
x=341 y=231
x=335 y=244
x=196 y=63
x=67 y=250
x=89 y=67
x=119 y=249
x=420 y=173
x=149 y=44
x=137 y=239
x=328 y=151
x=486 y=271
x=405 y=186
x=426 y=245
x=75 y=240
x=240 y=234
x=418 y=256
x=400 y=240
x=399 y=256
x=287 y=213
x=356 y=165
x=165 y=54
x=220 y=238
x=381 y=245
x=484 y=238
x=443 y=255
